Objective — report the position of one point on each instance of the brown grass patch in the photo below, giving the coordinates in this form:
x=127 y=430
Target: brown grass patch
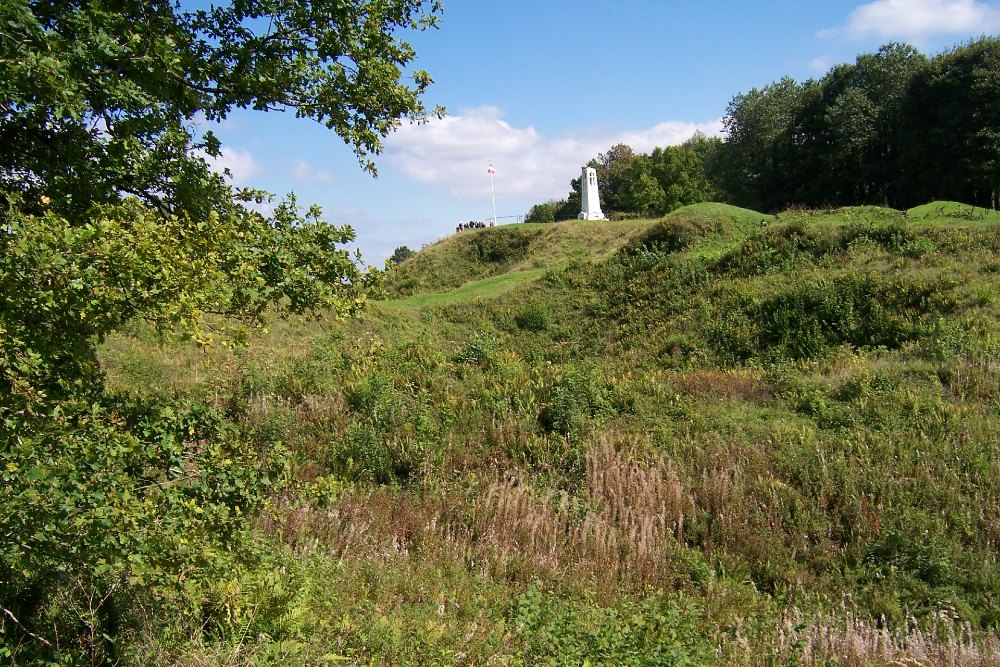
x=738 y=383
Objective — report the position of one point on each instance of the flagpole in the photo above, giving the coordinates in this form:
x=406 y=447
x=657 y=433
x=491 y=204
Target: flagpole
x=493 y=195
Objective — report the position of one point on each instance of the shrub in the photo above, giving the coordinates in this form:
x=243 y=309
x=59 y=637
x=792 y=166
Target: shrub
x=566 y=209
x=500 y=245
x=778 y=248
x=893 y=237
x=541 y=213
x=651 y=631
x=533 y=317
x=375 y=400
x=106 y=507
x=571 y=402
x=365 y=454
x=482 y=349
x=673 y=234
x=810 y=317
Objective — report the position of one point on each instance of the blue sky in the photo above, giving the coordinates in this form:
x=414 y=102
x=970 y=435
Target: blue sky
x=539 y=87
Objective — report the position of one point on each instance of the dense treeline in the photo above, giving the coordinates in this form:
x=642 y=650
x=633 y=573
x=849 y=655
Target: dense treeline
x=895 y=128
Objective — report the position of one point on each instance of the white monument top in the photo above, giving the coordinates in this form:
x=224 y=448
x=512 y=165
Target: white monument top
x=590 y=199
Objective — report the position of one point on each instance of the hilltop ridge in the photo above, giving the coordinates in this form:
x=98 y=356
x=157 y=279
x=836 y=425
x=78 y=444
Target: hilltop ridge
x=480 y=253
x=476 y=254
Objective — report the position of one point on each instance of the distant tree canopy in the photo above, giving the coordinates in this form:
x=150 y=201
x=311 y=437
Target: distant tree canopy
x=401 y=254
x=544 y=212
x=895 y=128
x=633 y=183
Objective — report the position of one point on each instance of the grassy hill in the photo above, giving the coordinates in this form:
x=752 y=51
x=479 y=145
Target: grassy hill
x=486 y=262
x=479 y=253
x=716 y=438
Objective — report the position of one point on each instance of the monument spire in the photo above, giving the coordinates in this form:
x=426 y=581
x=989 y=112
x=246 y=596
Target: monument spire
x=590 y=199
x=493 y=196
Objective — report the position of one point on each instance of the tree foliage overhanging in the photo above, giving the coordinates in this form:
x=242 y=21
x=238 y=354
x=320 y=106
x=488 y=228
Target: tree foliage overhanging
x=895 y=128
x=114 y=510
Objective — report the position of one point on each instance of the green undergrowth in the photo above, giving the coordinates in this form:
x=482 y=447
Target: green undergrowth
x=953 y=211
x=719 y=438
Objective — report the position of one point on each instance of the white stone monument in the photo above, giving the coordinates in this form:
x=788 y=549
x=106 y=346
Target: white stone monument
x=590 y=199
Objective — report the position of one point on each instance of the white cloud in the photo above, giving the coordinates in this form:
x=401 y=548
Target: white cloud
x=454 y=152
x=240 y=163
x=918 y=19
x=670 y=133
x=819 y=64
x=304 y=172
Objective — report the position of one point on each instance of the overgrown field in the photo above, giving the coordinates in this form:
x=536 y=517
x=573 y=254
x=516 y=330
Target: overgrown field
x=720 y=437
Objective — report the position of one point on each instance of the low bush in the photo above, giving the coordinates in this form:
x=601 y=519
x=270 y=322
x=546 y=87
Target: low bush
x=571 y=402
x=811 y=317
x=534 y=318
x=501 y=246
x=654 y=630
x=675 y=234
x=118 y=513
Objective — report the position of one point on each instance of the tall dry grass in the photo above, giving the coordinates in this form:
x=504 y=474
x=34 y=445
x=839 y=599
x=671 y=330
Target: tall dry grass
x=853 y=641
x=624 y=530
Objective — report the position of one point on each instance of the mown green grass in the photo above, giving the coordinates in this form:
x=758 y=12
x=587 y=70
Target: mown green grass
x=487 y=288
x=702 y=439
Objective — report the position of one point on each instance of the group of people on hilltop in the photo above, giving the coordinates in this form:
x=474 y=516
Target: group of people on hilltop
x=473 y=224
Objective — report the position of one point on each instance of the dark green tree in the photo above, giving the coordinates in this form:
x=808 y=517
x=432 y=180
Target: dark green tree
x=759 y=149
x=709 y=151
x=639 y=192
x=544 y=212
x=101 y=101
x=569 y=208
x=950 y=131
x=401 y=254
x=850 y=145
x=613 y=175
x=834 y=141
x=681 y=176
x=885 y=77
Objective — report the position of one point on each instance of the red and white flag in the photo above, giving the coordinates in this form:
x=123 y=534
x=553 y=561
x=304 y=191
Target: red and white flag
x=491 y=170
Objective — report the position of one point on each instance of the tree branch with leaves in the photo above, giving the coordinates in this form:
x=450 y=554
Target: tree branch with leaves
x=110 y=213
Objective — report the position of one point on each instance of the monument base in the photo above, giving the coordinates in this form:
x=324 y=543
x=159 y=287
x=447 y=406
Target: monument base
x=591 y=215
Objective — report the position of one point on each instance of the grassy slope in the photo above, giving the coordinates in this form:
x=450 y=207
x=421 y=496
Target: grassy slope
x=789 y=426
x=486 y=263
x=481 y=253
x=486 y=288
x=951 y=211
